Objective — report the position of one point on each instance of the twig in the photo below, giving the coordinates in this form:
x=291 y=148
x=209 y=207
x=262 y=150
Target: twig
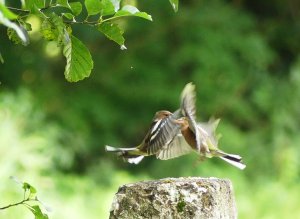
x=83 y=22
x=17 y=9
x=15 y=204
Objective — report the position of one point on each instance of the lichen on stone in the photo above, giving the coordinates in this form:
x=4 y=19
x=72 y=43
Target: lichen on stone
x=191 y=197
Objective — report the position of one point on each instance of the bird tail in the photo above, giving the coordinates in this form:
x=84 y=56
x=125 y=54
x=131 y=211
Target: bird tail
x=232 y=159
x=130 y=155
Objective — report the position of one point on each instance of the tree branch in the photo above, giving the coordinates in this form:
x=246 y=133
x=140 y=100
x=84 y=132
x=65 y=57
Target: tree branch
x=17 y=9
x=15 y=204
x=83 y=22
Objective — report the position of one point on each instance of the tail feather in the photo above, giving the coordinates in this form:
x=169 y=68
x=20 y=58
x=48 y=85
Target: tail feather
x=134 y=160
x=128 y=154
x=114 y=149
x=234 y=160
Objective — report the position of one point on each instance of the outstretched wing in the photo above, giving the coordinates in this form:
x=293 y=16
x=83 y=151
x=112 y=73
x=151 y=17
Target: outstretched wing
x=177 y=147
x=209 y=131
x=188 y=109
x=160 y=133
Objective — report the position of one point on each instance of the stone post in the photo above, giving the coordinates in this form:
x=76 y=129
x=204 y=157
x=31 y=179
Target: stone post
x=192 y=197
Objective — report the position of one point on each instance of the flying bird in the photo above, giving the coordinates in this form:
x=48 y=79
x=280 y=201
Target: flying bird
x=185 y=142
x=163 y=129
x=175 y=134
x=161 y=132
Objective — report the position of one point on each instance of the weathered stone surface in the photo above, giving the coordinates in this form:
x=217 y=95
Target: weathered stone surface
x=191 y=197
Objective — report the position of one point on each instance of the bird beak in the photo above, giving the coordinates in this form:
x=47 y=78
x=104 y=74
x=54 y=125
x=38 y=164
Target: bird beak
x=179 y=121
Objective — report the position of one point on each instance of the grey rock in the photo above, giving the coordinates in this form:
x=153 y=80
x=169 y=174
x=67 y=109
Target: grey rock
x=169 y=198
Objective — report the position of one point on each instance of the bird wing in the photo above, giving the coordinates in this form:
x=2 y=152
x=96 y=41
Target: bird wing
x=208 y=132
x=177 y=147
x=160 y=133
x=188 y=109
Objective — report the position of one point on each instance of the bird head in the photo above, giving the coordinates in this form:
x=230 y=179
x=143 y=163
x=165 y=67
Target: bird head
x=161 y=114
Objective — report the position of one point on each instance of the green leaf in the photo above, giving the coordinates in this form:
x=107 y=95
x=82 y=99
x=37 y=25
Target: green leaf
x=62 y=34
x=21 y=32
x=27 y=186
x=129 y=10
x=7 y=13
x=68 y=15
x=35 y=209
x=112 y=32
x=34 y=5
x=63 y=3
x=69 y=29
x=13 y=36
x=48 y=30
x=53 y=28
x=93 y=6
x=27 y=26
x=174 y=4
x=107 y=8
x=116 y=4
x=79 y=60
x=32 y=191
x=76 y=8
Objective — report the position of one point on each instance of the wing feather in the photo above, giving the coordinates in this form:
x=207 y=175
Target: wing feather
x=188 y=107
x=160 y=135
x=177 y=147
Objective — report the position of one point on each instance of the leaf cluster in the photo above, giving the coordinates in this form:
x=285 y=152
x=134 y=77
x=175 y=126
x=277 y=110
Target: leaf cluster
x=59 y=16
x=30 y=200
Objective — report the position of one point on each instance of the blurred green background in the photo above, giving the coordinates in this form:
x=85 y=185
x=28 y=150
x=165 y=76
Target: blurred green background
x=243 y=56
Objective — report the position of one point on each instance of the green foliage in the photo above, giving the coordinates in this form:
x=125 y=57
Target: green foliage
x=112 y=32
x=79 y=60
x=37 y=151
x=30 y=196
x=33 y=6
x=108 y=8
x=38 y=213
x=93 y=7
x=54 y=29
x=174 y=4
x=76 y=8
x=48 y=30
x=55 y=24
x=129 y=10
x=6 y=13
x=13 y=36
x=5 y=18
x=246 y=69
x=32 y=191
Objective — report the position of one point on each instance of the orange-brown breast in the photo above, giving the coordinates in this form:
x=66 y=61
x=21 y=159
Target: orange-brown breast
x=190 y=137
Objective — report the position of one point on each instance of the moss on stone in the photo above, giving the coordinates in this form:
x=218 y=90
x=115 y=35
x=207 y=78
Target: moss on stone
x=180 y=205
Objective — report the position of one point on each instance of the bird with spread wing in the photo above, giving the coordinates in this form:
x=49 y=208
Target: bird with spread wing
x=175 y=134
x=194 y=136
x=185 y=142
x=161 y=132
x=163 y=129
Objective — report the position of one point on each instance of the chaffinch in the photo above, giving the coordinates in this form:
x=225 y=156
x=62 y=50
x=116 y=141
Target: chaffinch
x=188 y=110
x=162 y=130
x=185 y=142
x=174 y=134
